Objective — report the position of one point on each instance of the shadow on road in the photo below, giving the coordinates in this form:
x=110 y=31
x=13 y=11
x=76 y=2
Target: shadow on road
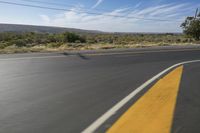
x=77 y=54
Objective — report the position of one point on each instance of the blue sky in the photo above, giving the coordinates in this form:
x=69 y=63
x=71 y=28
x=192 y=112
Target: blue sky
x=76 y=16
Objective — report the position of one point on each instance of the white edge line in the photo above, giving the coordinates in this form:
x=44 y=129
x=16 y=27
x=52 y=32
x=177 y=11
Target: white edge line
x=96 y=124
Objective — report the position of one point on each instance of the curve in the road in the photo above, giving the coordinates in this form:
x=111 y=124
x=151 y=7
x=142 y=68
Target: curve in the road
x=96 y=124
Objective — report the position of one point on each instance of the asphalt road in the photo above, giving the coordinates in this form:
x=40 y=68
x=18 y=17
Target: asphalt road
x=186 y=117
x=65 y=93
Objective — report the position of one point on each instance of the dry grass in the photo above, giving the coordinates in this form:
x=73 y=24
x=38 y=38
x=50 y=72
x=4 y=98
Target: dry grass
x=73 y=47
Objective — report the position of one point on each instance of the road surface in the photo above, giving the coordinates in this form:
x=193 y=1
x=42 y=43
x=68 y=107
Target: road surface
x=67 y=93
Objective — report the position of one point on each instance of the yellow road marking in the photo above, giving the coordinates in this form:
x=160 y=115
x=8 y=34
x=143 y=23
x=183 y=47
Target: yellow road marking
x=153 y=112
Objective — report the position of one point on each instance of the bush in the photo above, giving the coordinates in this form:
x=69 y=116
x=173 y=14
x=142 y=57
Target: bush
x=3 y=45
x=19 y=42
x=54 y=45
x=31 y=39
x=72 y=38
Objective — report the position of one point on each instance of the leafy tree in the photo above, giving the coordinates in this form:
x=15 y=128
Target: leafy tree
x=191 y=27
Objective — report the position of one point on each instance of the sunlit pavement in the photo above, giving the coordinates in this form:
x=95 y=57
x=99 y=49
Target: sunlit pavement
x=68 y=93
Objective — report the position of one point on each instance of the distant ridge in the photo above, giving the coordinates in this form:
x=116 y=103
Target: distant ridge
x=41 y=29
x=50 y=29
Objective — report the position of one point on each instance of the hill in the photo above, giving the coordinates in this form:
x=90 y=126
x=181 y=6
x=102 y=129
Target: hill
x=40 y=29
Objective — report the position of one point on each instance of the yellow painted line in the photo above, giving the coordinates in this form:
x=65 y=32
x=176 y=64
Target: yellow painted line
x=153 y=112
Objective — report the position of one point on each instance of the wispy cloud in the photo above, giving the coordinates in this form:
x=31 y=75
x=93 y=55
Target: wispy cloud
x=106 y=22
x=97 y=3
x=45 y=18
x=137 y=5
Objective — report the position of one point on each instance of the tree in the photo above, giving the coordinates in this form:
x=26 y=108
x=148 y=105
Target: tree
x=191 y=26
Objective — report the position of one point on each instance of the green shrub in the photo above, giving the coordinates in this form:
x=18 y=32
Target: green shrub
x=54 y=45
x=72 y=37
x=19 y=42
x=3 y=45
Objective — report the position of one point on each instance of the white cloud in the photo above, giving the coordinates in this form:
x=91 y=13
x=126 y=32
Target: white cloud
x=76 y=18
x=97 y=3
x=45 y=18
x=137 y=5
